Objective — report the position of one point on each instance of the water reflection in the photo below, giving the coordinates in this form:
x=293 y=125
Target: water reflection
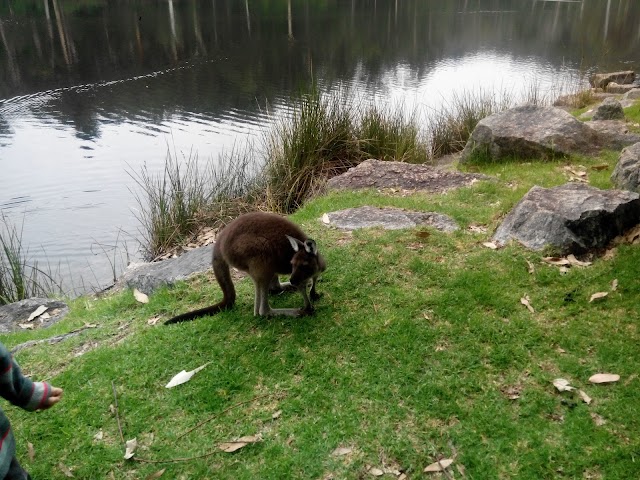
x=91 y=88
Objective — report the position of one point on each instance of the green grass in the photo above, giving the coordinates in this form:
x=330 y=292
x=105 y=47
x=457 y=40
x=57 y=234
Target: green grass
x=414 y=351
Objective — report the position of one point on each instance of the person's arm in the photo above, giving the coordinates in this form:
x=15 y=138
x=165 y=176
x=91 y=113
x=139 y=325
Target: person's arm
x=20 y=390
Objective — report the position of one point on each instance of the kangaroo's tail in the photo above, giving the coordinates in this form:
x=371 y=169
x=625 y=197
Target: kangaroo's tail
x=186 y=317
x=223 y=276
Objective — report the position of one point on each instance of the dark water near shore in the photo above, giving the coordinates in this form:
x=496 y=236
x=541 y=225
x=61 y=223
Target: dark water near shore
x=93 y=89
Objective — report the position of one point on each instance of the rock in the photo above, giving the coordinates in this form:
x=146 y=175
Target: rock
x=633 y=94
x=14 y=314
x=389 y=219
x=626 y=175
x=379 y=174
x=614 y=87
x=531 y=132
x=616 y=133
x=146 y=277
x=609 y=109
x=601 y=80
x=572 y=218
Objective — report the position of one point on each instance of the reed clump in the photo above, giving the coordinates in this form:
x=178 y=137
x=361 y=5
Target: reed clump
x=19 y=278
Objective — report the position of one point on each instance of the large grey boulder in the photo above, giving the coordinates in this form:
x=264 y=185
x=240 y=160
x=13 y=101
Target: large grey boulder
x=614 y=87
x=601 y=80
x=147 y=277
x=530 y=131
x=616 y=133
x=388 y=219
x=572 y=218
x=626 y=175
x=13 y=315
x=383 y=174
x=633 y=94
x=609 y=109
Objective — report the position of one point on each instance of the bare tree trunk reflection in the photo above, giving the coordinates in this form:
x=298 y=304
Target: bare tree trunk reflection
x=61 y=33
x=246 y=6
x=13 y=67
x=606 y=20
x=289 y=22
x=172 y=23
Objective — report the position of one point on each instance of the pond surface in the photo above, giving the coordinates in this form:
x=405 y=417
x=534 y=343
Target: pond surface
x=92 y=90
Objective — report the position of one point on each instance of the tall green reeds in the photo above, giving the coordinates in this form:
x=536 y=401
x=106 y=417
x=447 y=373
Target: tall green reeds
x=176 y=203
x=18 y=278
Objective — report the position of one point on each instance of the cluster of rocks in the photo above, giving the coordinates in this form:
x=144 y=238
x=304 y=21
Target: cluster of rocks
x=571 y=218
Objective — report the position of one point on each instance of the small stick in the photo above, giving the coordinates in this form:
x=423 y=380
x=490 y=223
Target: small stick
x=176 y=460
x=224 y=411
x=115 y=396
x=444 y=471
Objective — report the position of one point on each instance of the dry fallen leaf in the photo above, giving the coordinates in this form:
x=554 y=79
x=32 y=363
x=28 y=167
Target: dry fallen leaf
x=598 y=419
x=183 y=377
x=139 y=296
x=525 y=301
x=158 y=474
x=563 y=270
x=63 y=468
x=477 y=228
x=27 y=326
x=341 y=451
x=130 y=448
x=423 y=234
x=556 y=261
x=153 y=321
x=610 y=254
x=490 y=245
x=598 y=295
x=532 y=269
x=325 y=219
x=575 y=262
x=614 y=285
x=438 y=466
x=98 y=436
x=276 y=415
x=31 y=451
x=597 y=168
x=585 y=398
x=562 y=385
x=230 y=447
x=37 y=312
x=376 y=472
x=604 y=378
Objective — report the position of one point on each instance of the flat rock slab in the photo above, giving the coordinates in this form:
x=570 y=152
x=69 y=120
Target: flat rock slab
x=388 y=218
x=573 y=218
x=147 y=277
x=15 y=314
x=378 y=174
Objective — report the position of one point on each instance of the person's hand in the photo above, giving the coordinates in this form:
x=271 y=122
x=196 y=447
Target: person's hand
x=56 y=395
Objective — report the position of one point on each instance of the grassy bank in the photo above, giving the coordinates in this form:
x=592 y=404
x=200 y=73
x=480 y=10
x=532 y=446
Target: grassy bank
x=420 y=349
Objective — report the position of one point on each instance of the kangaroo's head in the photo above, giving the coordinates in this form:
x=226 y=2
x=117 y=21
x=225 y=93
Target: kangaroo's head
x=306 y=263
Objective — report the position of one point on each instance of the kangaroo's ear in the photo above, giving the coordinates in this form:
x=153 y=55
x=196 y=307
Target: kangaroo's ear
x=295 y=243
x=311 y=247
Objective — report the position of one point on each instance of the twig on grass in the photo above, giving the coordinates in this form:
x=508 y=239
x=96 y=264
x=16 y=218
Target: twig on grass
x=115 y=397
x=225 y=411
x=180 y=459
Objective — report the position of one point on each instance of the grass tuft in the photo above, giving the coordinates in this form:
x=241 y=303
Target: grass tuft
x=18 y=278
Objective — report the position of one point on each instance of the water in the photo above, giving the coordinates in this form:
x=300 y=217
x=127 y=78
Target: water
x=91 y=90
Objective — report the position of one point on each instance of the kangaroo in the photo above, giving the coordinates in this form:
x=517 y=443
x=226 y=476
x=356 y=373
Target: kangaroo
x=263 y=245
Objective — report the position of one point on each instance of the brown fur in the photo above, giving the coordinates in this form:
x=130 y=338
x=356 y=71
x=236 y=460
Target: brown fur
x=258 y=243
